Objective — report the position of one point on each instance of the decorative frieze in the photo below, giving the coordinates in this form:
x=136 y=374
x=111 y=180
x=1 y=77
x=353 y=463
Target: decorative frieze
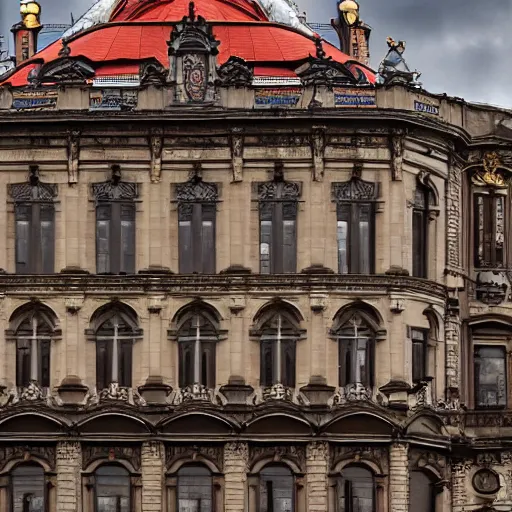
x=345 y=453
x=278 y=453
x=10 y=453
x=191 y=453
x=92 y=453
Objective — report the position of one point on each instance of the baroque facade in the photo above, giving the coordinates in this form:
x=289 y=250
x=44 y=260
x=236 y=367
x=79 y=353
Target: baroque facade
x=234 y=285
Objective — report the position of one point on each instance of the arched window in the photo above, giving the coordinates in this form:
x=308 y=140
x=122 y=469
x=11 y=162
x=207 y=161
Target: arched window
x=278 y=337
x=276 y=489
x=355 y=333
x=195 y=489
x=420 y=219
x=355 y=490
x=422 y=490
x=197 y=337
x=28 y=488
x=33 y=328
x=115 y=328
x=112 y=489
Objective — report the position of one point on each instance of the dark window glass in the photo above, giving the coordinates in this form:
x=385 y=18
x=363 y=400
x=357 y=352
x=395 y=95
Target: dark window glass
x=489 y=230
x=278 y=352
x=423 y=491
x=355 y=238
x=114 y=346
x=195 y=489
x=28 y=489
x=355 y=491
x=420 y=215
x=356 y=353
x=35 y=238
x=419 y=339
x=278 y=232
x=490 y=376
x=276 y=489
x=115 y=238
x=112 y=489
x=197 y=346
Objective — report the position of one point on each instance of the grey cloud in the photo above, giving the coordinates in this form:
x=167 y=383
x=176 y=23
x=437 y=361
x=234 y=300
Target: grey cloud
x=462 y=47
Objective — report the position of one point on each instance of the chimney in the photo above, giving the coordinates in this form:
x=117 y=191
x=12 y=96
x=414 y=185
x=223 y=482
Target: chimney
x=26 y=31
x=353 y=33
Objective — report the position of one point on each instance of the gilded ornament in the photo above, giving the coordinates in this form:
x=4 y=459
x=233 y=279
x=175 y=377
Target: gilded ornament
x=491 y=172
x=30 y=13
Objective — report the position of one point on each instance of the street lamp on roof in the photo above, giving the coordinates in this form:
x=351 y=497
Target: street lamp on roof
x=350 y=11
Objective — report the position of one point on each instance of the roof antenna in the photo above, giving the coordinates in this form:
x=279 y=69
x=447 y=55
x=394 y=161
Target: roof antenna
x=72 y=19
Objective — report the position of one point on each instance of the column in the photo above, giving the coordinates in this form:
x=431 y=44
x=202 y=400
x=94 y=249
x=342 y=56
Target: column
x=68 y=469
x=317 y=461
x=153 y=469
x=236 y=458
x=398 y=478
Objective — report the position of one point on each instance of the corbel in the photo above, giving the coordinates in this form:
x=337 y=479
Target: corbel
x=237 y=151
x=397 y=140
x=73 y=156
x=318 y=151
x=156 y=144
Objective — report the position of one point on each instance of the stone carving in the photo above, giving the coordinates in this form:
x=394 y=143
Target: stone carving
x=115 y=392
x=16 y=452
x=486 y=481
x=354 y=189
x=215 y=454
x=296 y=454
x=237 y=151
x=318 y=150
x=196 y=190
x=452 y=339
x=423 y=397
x=236 y=451
x=379 y=456
x=434 y=460
x=268 y=191
x=277 y=392
x=192 y=393
x=73 y=156
x=235 y=73
x=63 y=71
x=33 y=392
x=109 y=190
x=156 y=144
x=397 y=154
x=153 y=73
x=491 y=172
x=92 y=453
x=351 y=393
x=491 y=287
x=318 y=450
x=393 y=69
x=27 y=192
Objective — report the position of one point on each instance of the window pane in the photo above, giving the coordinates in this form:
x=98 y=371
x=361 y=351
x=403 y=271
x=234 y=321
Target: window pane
x=112 y=489
x=103 y=363
x=28 y=489
x=288 y=363
x=361 y=375
x=267 y=364
x=44 y=363
x=342 y=247
x=103 y=215
x=360 y=497
x=195 y=490
x=128 y=238
x=276 y=489
x=364 y=239
x=22 y=239
x=47 y=238
x=125 y=363
x=265 y=246
x=490 y=376
x=419 y=247
x=186 y=370
x=289 y=249
x=185 y=241
x=23 y=363
x=208 y=247
x=423 y=491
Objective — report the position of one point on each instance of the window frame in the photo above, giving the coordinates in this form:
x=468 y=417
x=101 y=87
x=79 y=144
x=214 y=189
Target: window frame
x=278 y=204
x=419 y=376
x=420 y=240
x=481 y=344
x=351 y=198
x=270 y=497
x=130 y=487
x=211 y=477
x=44 y=488
x=348 y=505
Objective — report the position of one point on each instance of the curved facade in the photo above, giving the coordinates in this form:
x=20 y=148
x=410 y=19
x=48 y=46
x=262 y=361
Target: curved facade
x=238 y=294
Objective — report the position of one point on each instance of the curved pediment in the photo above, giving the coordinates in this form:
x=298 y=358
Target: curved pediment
x=279 y=424
x=30 y=423
x=109 y=423
x=360 y=425
x=426 y=425
x=197 y=423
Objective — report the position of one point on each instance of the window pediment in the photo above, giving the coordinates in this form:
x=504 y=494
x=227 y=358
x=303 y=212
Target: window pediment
x=355 y=189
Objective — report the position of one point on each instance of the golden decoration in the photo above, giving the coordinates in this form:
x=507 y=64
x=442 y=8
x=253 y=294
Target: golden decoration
x=30 y=13
x=491 y=172
x=350 y=11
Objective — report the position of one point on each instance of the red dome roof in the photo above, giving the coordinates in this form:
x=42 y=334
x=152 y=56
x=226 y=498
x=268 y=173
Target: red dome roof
x=140 y=30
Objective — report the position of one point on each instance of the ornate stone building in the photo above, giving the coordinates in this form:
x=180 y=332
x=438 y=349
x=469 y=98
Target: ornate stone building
x=241 y=277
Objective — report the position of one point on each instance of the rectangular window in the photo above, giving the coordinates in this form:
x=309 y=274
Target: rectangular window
x=115 y=238
x=35 y=238
x=355 y=361
x=206 y=371
x=419 y=338
x=103 y=363
x=278 y=237
x=419 y=243
x=489 y=230
x=270 y=372
x=355 y=238
x=490 y=376
x=125 y=363
x=197 y=238
x=27 y=369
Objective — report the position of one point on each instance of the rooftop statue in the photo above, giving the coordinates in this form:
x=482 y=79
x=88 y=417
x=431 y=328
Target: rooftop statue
x=394 y=69
x=30 y=13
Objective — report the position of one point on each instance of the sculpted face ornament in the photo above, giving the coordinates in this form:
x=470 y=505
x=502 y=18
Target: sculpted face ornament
x=486 y=481
x=491 y=173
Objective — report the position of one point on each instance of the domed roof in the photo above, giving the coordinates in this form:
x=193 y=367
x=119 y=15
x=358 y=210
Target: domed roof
x=138 y=30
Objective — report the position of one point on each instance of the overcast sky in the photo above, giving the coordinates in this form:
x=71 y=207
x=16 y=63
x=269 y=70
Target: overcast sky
x=462 y=47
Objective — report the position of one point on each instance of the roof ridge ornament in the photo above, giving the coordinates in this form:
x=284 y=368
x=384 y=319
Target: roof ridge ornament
x=393 y=69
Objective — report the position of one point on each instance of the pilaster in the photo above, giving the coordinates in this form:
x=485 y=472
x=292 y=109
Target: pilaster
x=236 y=459
x=317 y=461
x=398 y=478
x=153 y=462
x=68 y=469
